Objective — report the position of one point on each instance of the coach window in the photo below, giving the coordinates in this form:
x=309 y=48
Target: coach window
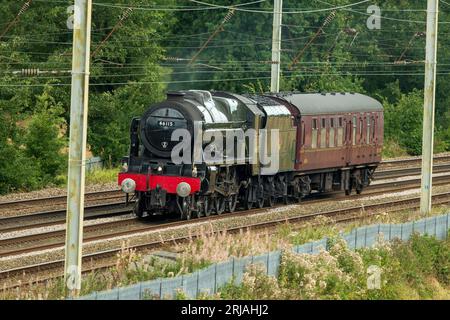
x=314 y=135
x=303 y=133
x=340 y=133
x=355 y=125
x=323 y=134
x=332 y=143
x=374 y=127
x=368 y=130
x=361 y=130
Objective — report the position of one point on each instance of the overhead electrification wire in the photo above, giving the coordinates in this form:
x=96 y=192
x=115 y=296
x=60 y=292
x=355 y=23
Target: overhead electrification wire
x=284 y=12
x=384 y=17
x=393 y=74
x=173 y=8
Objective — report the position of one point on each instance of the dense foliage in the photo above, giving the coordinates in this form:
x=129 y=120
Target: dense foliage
x=148 y=53
x=34 y=111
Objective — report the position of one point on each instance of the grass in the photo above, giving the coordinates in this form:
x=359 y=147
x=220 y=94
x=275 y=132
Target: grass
x=392 y=149
x=102 y=176
x=94 y=177
x=130 y=268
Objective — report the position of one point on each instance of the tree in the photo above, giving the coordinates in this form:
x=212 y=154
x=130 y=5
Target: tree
x=403 y=121
x=45 y=140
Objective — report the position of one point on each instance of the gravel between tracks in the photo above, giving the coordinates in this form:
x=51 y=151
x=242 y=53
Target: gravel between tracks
x=172 y=232
x=55 y=192
x=87 y=223
x=406 y=178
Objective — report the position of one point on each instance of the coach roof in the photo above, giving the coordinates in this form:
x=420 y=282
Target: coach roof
x=330 y=103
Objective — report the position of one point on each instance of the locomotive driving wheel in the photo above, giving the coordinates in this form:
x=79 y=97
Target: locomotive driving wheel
x=219 y=204
x=207 y=206
x=232 y=203
x=248 y=195
x=270 y=193
x=260 y=196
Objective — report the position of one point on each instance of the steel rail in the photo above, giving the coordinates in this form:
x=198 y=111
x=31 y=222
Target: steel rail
x=367 y=210
x=54 y=239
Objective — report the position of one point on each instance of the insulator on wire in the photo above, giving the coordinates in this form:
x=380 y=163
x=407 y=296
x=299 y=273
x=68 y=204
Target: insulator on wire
x=329 y=18
x=30 y=72
x=127 y=13
x=175 y=59
x=229 y=15
x=24 y=8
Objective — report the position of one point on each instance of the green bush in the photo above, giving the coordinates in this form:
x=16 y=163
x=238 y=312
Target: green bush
x=44 y=140
x=17 y=172
x=419 y=268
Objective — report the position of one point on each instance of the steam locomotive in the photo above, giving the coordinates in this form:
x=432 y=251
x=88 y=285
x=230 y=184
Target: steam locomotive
x=200 y=153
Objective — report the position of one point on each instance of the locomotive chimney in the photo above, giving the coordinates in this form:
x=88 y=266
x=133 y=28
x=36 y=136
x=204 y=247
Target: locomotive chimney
x=175 y=95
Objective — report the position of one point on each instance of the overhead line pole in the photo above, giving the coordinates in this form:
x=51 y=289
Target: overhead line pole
x=429 y=105
x=77 y=147
x=276 y=46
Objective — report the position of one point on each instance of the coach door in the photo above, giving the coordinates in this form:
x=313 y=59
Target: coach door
x=350 y=137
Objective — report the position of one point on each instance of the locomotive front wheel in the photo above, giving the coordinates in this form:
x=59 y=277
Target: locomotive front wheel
x=186 y=207
x=139 y=207
x=248 y=204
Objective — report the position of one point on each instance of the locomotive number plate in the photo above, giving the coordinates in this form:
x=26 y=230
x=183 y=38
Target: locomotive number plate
x=166 y=124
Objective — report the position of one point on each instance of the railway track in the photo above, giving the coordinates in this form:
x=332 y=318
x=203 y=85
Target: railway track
x=54 y=238
x=56 y=217
x=413 y=161
x=413 y=171
x=58 y=200
x=344 y=215
x=46 y=202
